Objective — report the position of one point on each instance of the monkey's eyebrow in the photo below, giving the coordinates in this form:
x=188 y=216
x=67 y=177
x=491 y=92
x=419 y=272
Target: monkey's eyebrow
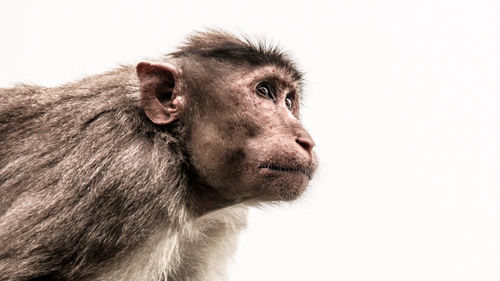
x=278 y=81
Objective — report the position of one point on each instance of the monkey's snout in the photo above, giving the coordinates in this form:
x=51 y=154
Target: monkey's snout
x=306 y=143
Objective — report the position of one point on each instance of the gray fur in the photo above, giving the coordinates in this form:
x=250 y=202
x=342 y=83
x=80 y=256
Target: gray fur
x=70 y=159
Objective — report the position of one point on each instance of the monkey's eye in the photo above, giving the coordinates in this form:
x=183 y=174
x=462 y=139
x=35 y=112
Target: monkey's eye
x=264 y=90
x=289 y=103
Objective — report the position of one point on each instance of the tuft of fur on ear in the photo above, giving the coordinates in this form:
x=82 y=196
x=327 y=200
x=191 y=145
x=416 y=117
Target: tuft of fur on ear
x=159 y=94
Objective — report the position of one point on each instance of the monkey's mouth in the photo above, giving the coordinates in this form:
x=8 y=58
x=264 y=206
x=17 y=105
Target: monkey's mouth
x=284 y=169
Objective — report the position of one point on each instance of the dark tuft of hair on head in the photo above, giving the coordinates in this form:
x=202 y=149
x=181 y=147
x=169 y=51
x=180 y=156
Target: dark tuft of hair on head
x=227 y=47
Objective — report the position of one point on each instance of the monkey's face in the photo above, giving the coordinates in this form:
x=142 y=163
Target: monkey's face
x=246 y=142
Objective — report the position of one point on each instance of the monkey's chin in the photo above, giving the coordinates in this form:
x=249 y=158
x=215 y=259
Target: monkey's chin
x=284 y=185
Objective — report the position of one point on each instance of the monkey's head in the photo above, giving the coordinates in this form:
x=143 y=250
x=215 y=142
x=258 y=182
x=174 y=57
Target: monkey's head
x=239 y=104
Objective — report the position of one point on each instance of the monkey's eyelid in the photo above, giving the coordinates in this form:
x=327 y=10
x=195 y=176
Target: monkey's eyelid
x=289 y=103
x=264 y=89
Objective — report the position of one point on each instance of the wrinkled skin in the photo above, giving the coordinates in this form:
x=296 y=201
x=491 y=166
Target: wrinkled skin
x=261 y=132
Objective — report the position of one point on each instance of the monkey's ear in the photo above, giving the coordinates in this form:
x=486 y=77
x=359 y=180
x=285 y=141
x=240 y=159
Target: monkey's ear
x=159 y=97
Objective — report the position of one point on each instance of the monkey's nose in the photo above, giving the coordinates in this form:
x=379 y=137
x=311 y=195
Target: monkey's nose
x=306 y=142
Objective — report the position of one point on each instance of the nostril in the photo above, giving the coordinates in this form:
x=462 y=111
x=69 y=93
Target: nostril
x=307 y=144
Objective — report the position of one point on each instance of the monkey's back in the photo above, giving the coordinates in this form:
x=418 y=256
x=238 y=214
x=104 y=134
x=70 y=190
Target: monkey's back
x=81 y=181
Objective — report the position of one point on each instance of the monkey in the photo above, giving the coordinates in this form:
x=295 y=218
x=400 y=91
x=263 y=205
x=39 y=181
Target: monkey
x=147 y=172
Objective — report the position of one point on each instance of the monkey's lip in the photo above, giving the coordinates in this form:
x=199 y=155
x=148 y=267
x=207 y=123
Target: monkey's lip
x=287 y=169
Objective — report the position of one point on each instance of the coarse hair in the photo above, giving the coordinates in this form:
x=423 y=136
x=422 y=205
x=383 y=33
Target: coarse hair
x=227 y=47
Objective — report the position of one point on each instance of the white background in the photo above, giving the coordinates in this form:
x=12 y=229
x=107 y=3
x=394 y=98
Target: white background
x=403 y=101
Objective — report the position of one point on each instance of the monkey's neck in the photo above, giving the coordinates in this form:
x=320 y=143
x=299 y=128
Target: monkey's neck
x=204 y=199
